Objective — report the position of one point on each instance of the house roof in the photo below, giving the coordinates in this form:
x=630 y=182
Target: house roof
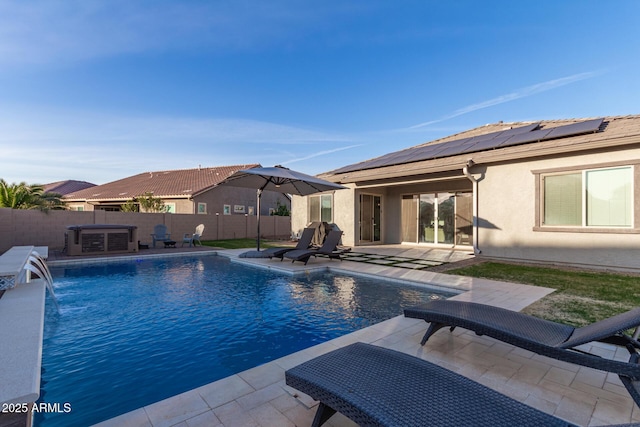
x=66 y=187
x=182 y=183
x=492 y=143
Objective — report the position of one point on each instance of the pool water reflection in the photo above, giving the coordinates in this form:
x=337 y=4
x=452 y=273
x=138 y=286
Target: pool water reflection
x=132 y=333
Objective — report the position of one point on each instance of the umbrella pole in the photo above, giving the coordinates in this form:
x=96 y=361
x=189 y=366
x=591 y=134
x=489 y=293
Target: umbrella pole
x=258 y=219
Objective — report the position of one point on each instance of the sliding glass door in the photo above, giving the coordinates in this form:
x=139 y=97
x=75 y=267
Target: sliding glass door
x=427 y=218
x=370 y=219
x=437 y=218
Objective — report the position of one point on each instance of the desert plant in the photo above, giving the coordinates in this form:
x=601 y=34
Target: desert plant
x=149 y=203
x=130 y=206
x=281 y=210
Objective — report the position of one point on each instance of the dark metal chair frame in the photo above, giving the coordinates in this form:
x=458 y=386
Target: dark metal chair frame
x=551 y=339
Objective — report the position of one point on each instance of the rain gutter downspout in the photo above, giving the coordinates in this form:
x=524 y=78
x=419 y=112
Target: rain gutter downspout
x=474 y=181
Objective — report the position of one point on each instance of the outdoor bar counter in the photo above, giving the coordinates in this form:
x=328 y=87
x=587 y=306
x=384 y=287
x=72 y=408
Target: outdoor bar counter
x=95 y=239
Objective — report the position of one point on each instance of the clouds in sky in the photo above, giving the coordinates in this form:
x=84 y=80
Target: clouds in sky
x=517 y=94
x=101 y=89
x=92 y=145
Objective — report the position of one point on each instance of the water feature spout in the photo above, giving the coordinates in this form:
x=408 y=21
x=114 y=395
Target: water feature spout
x=37 y=265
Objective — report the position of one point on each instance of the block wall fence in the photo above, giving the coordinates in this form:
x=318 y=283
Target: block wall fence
x=19 y=227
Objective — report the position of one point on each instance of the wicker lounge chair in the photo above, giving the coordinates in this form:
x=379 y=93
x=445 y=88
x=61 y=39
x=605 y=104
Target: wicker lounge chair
x=540 y=336
x=303 y=244
x=328 y=248
x=376 y=386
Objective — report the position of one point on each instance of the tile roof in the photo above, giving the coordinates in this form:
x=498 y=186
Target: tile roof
x=614 y=131
x=181 y=183
x=67 y=187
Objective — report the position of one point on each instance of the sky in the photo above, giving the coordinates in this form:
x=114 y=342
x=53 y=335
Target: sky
x=98 y=90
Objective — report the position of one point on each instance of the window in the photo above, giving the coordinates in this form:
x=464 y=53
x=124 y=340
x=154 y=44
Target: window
x=76 y=208
x=589 y=198
x=321 y=208
x=563 y=199
x=226 y=210
x=202 y=208
x=170 y=207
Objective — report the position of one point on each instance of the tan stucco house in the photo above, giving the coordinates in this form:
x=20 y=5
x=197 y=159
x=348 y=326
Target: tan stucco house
x=551 y=191
x=184 y=191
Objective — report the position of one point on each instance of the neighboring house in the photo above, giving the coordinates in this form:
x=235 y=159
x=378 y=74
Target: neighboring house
x=67 y=187
x=186 y=191
x=553 y=191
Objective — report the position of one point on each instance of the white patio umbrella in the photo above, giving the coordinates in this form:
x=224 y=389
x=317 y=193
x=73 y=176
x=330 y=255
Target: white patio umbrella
x=280 y=179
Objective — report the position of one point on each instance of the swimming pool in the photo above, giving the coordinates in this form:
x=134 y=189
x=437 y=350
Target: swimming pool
x=131 y=333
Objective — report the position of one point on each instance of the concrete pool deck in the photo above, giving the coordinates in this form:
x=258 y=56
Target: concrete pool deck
x=259 y=396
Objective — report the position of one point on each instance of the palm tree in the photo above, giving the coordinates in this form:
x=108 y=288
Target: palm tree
x=23 y=196
x=49 y=200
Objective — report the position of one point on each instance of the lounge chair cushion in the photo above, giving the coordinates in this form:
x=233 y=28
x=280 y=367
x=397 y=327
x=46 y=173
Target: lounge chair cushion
x=375 y=386
x=303 y=244
x=328 y=248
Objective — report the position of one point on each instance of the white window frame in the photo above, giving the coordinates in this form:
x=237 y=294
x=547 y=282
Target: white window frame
x=201 y=211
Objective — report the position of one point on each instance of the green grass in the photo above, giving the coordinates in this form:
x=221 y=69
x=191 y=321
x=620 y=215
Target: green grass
x=581 y=297
x=237 y=243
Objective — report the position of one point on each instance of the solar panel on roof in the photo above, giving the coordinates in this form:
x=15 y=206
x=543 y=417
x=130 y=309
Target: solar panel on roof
x=424 y=153
x=380 y=161
x=504 y=138
x=521 y=129
x=437 y=150
x=524 y=138
x=393 y=160
x=485 y=144
x=351 y=168
x=405 y=156
x=575 y=129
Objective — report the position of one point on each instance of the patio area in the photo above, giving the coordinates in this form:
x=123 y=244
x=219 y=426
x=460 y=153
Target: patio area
x=259 y=396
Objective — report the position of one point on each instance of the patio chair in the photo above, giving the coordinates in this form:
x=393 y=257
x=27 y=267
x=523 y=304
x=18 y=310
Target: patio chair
x=328 y=248
x=376 y=386
x=303 y=243
x=551 y=339
x=194 y=238
x=160 y=234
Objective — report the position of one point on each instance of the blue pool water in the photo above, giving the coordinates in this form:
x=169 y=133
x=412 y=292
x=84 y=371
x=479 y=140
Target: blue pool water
x=131 y=333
